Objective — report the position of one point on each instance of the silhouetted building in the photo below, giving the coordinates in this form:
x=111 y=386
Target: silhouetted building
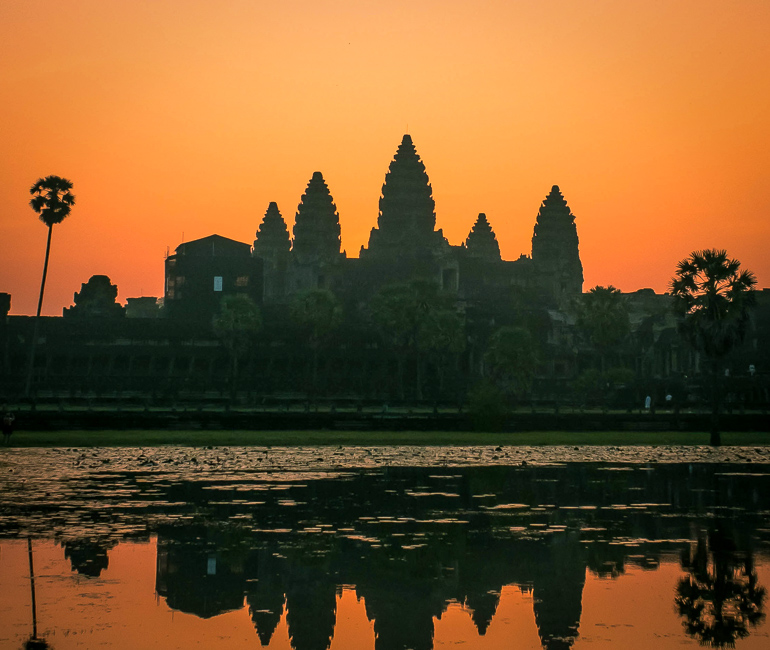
x=316 y=255
x=201 y=272
x=273 y=246
x=407 y=221
x=404 y=245
x=555 y=255
x=97 y=298
x=143 y=307
x=481 y=241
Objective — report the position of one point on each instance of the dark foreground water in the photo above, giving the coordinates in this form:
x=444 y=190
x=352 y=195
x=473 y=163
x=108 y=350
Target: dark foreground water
x=388 y=549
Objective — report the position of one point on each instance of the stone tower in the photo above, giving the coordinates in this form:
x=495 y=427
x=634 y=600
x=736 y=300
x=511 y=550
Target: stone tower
x=316 y=225
x=272 y=245
x=407 y=219
x=555 y=256
x=481 y=241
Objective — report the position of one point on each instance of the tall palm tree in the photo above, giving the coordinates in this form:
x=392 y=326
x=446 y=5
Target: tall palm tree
x=713 y=297
x=52 y=200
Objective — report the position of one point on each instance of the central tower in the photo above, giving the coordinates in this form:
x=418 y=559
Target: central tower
x=407 y=220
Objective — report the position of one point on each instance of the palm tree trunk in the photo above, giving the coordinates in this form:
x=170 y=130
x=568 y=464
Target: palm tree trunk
x=31 y=361
x=32 y=588
x=714 y=438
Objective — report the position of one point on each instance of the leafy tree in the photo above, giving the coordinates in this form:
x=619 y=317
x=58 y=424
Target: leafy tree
x=602 y=319
x=318 y=313
x=237 y=324
x=487 y=406
x=602 y=388
x=713 y=297
x=512 y=358
x=52 y=199
x=440 y=337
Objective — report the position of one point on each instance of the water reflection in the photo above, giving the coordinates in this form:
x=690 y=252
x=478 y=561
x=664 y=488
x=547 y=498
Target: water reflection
x=34 y=642
x=721 y=598
x=414 y=541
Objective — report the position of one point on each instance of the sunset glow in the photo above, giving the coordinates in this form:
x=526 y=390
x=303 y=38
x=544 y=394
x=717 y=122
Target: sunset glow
x=178 y=119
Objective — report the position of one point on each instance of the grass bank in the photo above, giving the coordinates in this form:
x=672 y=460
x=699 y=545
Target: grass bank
x=150 y=438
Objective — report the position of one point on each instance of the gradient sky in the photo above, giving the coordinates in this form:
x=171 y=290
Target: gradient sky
x=184 y=118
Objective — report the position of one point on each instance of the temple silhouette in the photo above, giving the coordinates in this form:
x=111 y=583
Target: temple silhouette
x=445 y=303
x=404 y=245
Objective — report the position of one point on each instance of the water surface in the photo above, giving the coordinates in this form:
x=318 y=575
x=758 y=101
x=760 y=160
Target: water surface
x=317 y=548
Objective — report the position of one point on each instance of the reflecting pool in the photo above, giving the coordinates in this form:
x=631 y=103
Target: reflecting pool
x=312 y=549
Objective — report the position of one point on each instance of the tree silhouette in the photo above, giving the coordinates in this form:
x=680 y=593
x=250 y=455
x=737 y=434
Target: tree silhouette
x=512 y=358
x=713 y=297
x=34 y=642
x=720 y=597
x=602 y=318
x=237 y=324
x=414 y=319
x=440 y=338
x=52 y=200
x=318 y=313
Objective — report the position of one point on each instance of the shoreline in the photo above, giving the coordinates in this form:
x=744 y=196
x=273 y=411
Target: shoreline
x=300 y=460
x=368 y=438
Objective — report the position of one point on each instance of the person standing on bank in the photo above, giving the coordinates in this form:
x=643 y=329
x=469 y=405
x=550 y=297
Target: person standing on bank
x=8 y=419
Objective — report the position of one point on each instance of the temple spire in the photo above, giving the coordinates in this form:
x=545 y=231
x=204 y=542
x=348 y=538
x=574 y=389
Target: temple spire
x=555 y=254
x=272 y=234
x=272 y=246
x=407 y=218
x=316 y=224
x=481 y=241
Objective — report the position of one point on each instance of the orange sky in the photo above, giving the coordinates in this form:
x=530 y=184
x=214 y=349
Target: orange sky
x=190 y=116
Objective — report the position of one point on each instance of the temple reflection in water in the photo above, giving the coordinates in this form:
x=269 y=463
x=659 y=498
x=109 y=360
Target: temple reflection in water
x=412 y=542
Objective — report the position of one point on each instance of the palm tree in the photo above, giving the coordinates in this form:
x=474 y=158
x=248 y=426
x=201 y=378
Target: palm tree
x=52 y=200
x=713 y=298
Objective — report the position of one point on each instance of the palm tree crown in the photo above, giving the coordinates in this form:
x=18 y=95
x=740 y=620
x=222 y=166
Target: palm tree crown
x=52 y=199
x=713 y=296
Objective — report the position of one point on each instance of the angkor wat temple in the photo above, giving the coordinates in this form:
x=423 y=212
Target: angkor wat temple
x=168 y=350
x=403 y=246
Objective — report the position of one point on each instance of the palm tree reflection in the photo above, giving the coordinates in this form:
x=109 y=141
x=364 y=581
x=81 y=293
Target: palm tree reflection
x=33 y=643
x=720 y=598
